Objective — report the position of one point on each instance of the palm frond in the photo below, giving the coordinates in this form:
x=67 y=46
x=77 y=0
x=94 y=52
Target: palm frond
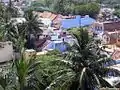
x=81 y=77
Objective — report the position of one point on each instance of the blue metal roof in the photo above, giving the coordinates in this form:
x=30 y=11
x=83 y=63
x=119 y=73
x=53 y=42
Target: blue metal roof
x=59 y=46
x=77 y=22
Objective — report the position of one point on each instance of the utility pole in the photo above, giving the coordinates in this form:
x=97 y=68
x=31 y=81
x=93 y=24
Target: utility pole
x=80 y=22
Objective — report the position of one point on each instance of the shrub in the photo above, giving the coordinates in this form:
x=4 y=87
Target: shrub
x=54 y=52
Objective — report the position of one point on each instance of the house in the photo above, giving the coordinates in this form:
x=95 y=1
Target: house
x=58 y=45
x=47 y=22
x=106 y=14
x=78 y=21
x=56 y=19
x=58 y=42
x=48 y=15
x=51 y=18
x=100 y=27
x=111 y=37
x=55 y=42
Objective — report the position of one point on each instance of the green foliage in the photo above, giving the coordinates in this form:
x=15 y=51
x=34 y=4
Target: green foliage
x=39 y=6
x=53 y=52
x=87 y=9
x=4 y=19
x=82 y=68
x=8 y=31
x=117 y=12
x=49 y=69
x=74 y=30
x=66 y=7
x=3 y=82
x=16 y=34
x=86 y=66
x=110 y=1
x=32 y=24
x=25 y=69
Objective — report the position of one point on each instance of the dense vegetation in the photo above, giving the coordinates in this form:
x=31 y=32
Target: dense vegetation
x=67 y=6
x=83 y=67
x=82 y=7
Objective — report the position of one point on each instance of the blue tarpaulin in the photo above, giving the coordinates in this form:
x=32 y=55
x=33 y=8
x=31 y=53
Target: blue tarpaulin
x=77 y=22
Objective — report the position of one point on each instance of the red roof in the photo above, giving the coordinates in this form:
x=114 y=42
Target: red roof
x=56 y=18
x=52 y=16
x=49 y=15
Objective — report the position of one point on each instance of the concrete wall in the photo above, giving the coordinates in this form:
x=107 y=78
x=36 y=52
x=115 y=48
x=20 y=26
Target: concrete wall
x=6 y=51
x=29 y=53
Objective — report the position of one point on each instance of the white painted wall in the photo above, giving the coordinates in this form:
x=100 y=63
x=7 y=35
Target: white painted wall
x=46 y=21
x=6 y=51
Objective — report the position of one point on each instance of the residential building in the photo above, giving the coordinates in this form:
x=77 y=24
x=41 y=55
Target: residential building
x=78 y=21
x=54 y=19
x=58 y=45
x=111 y=37
x=109 y=26
x=65 y=22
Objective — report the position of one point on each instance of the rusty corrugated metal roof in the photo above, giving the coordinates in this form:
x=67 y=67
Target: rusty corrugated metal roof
x=112 y=26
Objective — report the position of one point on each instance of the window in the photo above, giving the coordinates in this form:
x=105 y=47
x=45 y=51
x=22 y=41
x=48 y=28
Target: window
x=98 y=28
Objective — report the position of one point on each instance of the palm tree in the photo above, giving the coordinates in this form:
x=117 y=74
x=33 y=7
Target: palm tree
x=3 y=19
x=32 y=26
x=6 y=13
x=25 y=69
x=87 y=64
x=22 y=74
x=11 y=10
x=16 y=34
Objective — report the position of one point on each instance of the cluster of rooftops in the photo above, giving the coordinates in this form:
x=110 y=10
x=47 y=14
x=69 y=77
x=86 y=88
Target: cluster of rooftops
x=61 y=23
x=66 y=22
x=57 y=25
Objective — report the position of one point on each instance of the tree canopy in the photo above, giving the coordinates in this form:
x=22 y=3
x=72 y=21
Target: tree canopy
x=66 y=7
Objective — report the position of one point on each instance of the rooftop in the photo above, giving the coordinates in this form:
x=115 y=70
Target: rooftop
x=111 y=26
x=77 y=22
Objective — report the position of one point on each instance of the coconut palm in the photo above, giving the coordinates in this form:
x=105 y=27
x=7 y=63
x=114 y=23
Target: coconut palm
x=22 y=74
x=6 y=13
x=11 y=9
x=16 y=34
x=25 y=68
x=32 y=26
x=3 y=20
x=87 y=64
